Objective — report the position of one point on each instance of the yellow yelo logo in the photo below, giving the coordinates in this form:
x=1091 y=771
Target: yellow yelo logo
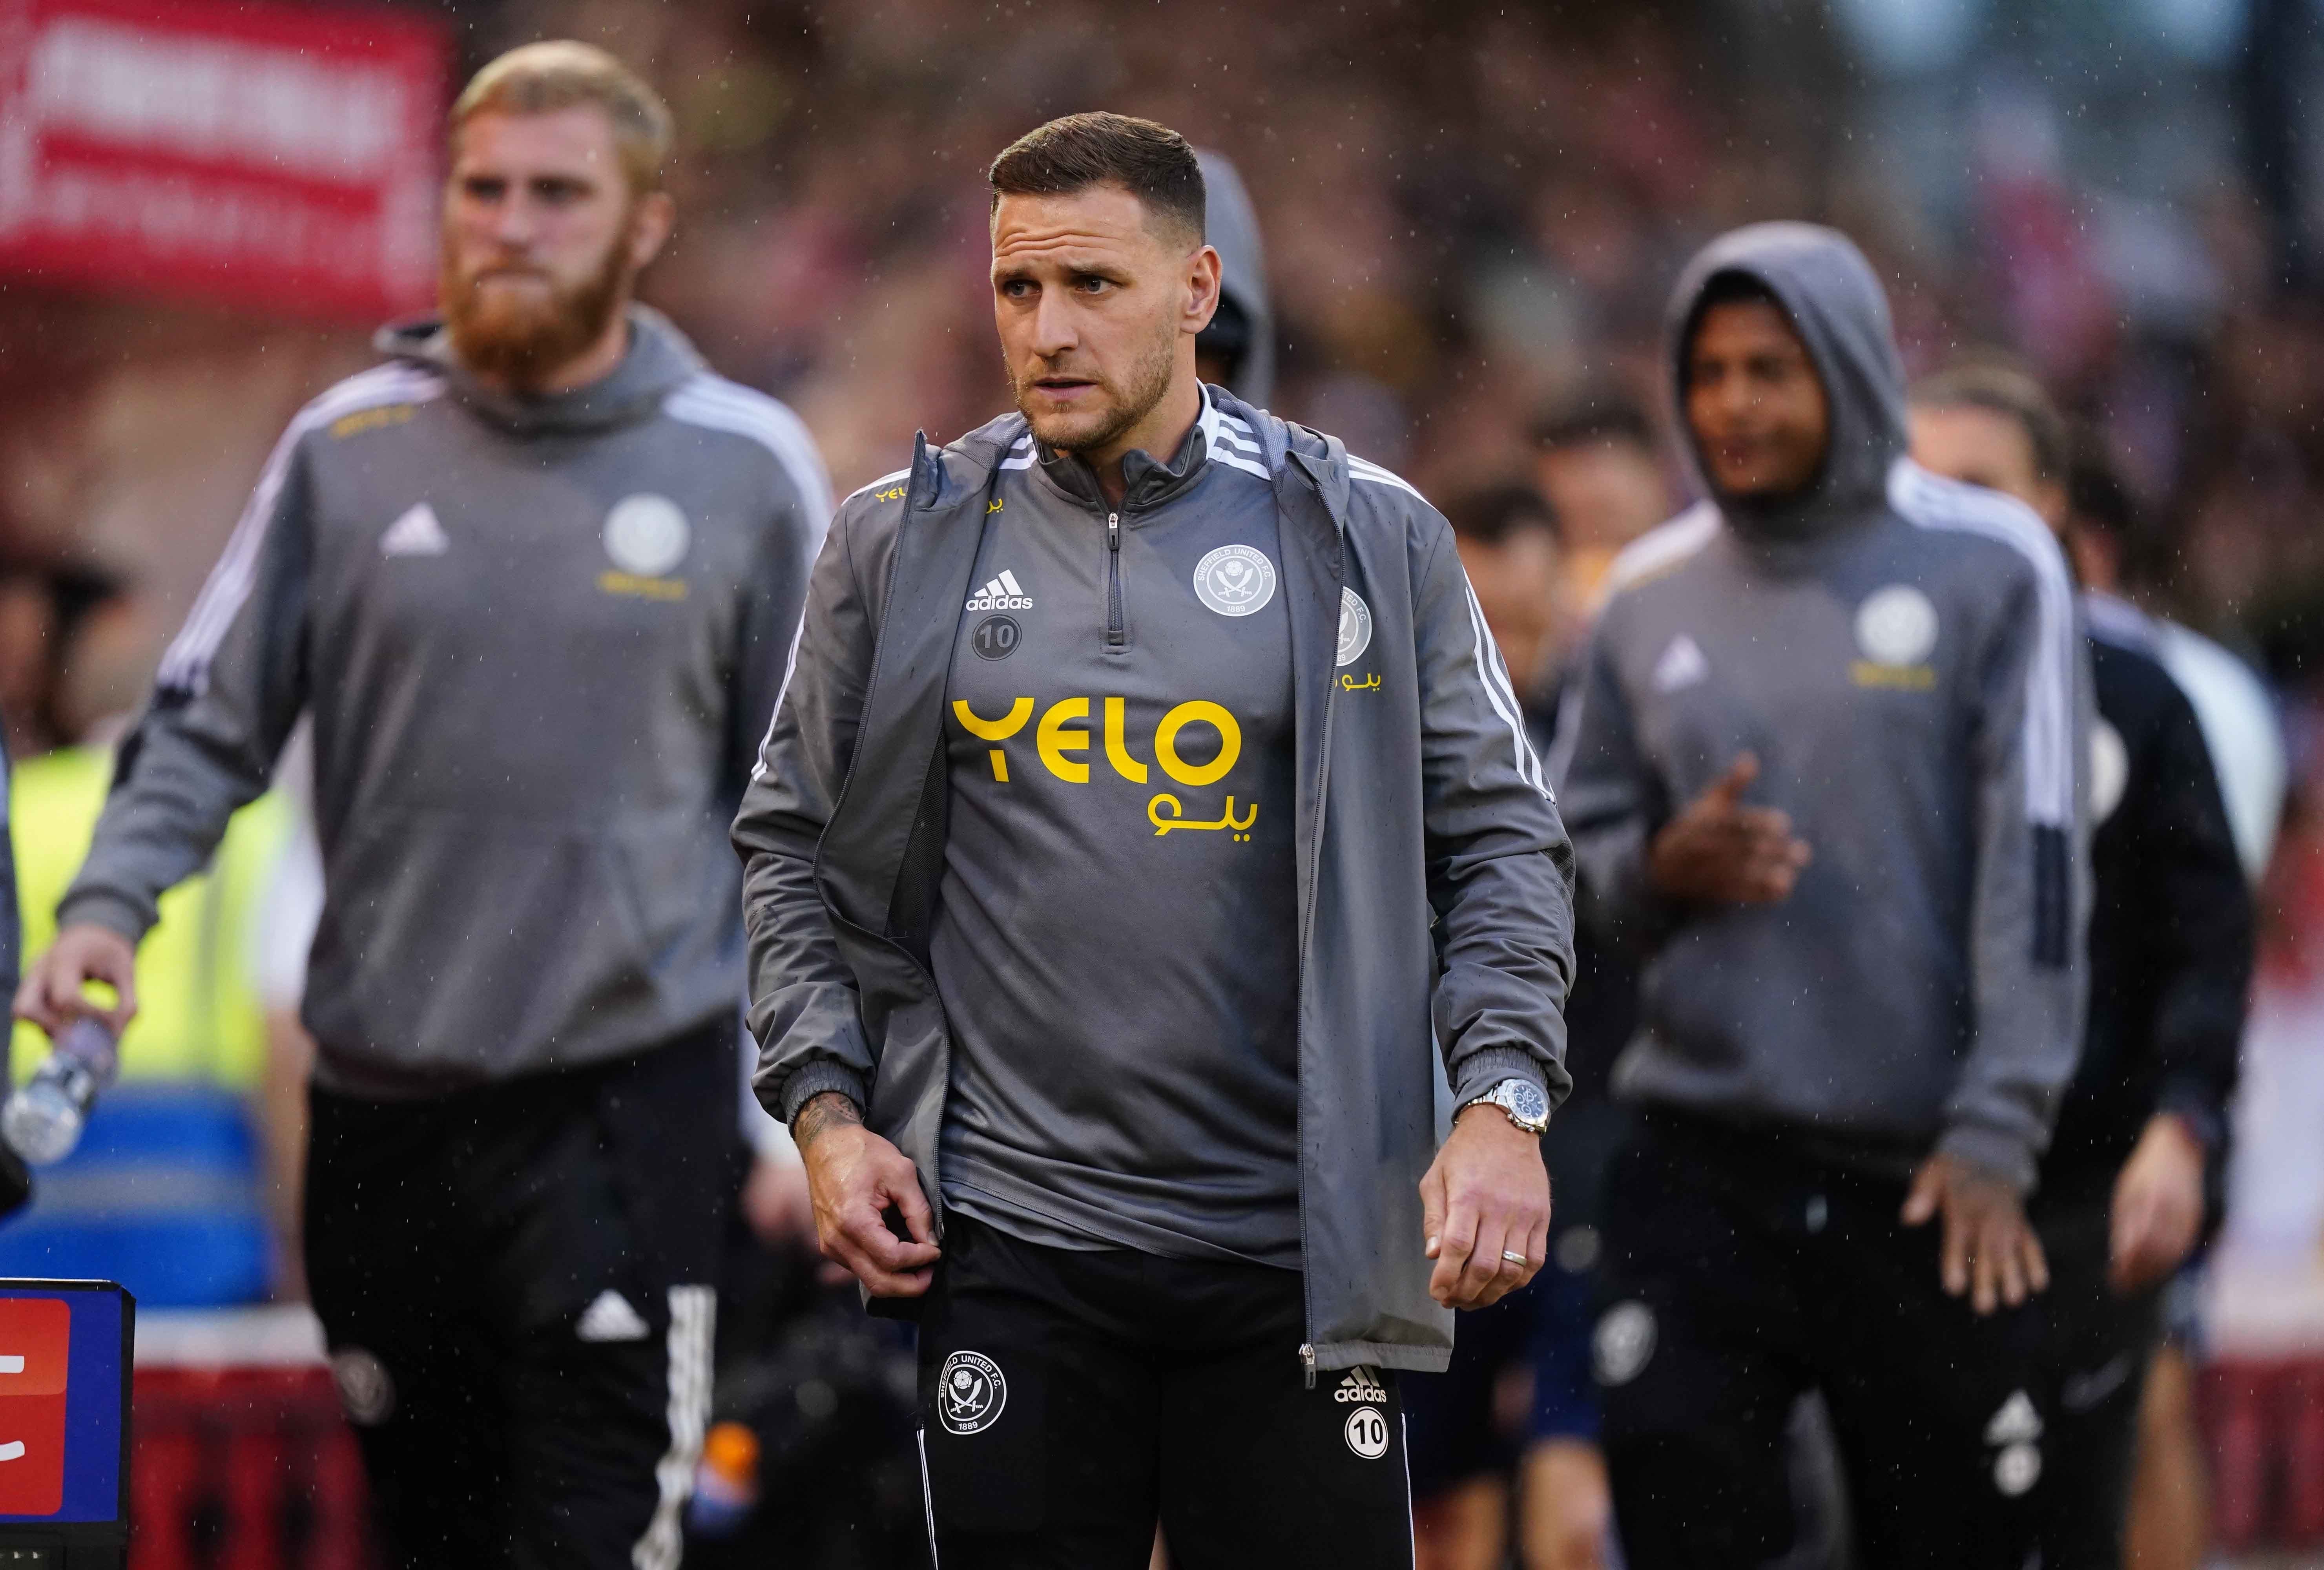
x=1057 y=738
x=1062 y=734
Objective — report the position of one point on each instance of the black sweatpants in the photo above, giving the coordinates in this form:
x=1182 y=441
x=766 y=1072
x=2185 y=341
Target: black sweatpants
x=516 y=1284
x=1742 y=1270
x=2096 y=1349
x=1069 y=1399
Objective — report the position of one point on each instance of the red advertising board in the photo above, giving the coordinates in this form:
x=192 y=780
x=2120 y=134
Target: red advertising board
x=36 y=1335
x=270 y=155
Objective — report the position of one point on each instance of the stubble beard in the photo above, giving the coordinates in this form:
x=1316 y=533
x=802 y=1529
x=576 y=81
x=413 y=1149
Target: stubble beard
x=1147 y=384
x=525 y=342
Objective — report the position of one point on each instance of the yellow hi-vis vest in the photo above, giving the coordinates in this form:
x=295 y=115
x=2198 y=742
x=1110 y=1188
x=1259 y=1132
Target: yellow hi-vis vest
x=200 y=1015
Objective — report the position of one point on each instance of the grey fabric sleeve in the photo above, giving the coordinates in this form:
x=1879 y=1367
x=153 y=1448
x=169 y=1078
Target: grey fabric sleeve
x=1500 y=873
x=232 y=687
x=2031 y=894
x=772 y=602
x=805 y=1011
x=1614 y=803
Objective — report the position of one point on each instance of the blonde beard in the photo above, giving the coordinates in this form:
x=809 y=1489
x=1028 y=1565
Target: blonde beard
x=524 y=344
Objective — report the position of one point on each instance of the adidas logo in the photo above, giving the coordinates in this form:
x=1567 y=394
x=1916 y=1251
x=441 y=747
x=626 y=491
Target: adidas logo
x=1361 y=1385
x=2015 y=1423
x=610 y=1317
x=416 y=533
x=1002 y=594
x=1682 y=665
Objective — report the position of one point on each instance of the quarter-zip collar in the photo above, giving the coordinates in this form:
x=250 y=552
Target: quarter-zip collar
x=1146 y=485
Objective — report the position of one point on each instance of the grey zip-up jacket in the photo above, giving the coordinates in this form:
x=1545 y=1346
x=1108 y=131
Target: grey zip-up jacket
x=1902 y=654
x=539 y=639
x=1433 y=876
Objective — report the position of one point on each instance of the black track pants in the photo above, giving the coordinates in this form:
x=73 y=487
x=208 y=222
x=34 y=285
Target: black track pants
x=1740 y=1271
x=2095 y=1352
x=1069 y=1399
x=516 y=1284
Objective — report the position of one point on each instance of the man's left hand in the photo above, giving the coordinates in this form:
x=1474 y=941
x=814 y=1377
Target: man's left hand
x=1989 y=1249
x=1486 y=1197
x=2158 y=1206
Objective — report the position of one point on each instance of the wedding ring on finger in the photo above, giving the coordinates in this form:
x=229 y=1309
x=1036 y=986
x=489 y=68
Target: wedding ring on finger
x=1514 y=1257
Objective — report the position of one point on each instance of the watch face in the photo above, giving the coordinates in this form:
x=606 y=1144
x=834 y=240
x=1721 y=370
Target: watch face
x=1527 y=1101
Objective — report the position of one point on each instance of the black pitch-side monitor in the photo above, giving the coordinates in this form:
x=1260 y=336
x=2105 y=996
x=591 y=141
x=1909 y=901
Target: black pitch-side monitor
x=64 y=1424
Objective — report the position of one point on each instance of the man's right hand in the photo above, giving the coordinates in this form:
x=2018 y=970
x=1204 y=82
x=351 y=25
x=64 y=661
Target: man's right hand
x=51 y=996
x=854 y=1176
x=1720 y=850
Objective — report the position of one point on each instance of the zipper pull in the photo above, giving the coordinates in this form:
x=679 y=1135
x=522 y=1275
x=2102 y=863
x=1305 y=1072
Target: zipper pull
x=1115 y=636
x=1307 y=1361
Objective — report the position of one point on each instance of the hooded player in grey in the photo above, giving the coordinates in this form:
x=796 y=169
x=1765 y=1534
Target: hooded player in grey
x=1237 y=350
x=532 y=582
x=1824 y=769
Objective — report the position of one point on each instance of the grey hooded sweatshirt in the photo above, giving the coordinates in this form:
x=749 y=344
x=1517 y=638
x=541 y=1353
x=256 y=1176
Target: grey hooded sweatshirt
x=1232 y=226
x=1430 y=885
x=1901 y=654
x=539 y=638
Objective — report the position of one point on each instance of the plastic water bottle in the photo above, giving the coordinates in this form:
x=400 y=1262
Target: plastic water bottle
x=43 y=1120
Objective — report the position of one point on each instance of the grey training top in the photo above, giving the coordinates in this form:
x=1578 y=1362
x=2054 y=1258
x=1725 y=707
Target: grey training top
x=1115 y=942
x=1901 y=652
x=540 y=638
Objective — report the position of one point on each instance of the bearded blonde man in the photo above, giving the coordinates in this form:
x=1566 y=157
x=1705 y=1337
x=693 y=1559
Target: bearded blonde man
x=533 y=581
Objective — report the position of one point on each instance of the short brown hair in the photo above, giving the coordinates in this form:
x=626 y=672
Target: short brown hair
x=540 y=79
x=1998 y=387
x=1152 y=162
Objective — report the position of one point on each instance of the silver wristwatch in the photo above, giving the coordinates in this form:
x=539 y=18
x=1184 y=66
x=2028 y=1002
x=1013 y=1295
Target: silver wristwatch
x=1522 y=1099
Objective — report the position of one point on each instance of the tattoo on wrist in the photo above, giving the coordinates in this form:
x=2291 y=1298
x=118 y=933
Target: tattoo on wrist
x=822 y=1110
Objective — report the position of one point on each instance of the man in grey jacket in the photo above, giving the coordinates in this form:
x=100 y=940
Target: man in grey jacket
x=1145 y=795
x=1824 y=773
x=532 y=582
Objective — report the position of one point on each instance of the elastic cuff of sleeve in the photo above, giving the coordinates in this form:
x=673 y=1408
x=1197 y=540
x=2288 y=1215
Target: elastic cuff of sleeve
x=110 y=911
x=2005 y=1155
x=823 y=1073
x=1480 y=1071
x=2206 y=1126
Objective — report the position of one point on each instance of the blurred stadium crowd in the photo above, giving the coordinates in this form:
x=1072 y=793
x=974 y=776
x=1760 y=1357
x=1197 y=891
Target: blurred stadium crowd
x=1471 y=215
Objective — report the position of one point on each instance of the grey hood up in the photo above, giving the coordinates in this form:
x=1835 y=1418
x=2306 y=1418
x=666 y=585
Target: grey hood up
x=1231 y=223
x=1840 y=312
x=1903 y=655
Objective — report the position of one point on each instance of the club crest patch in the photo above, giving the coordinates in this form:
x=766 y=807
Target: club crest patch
x=1355 y=626
x=970 y=1391
x=1896 y=625
x=366 y=1391
x=2109 y=771
x=1237 y=580
x=647 y=535
x=1623 y=1343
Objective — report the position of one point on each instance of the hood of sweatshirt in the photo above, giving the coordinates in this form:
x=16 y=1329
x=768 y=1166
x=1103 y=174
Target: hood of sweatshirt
x=1233 y=225
x=658 y=360
x=1841 y=313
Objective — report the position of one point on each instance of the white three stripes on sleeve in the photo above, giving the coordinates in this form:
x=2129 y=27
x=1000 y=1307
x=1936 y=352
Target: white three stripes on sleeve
x=185 y=663
x=715 y=403
x=1924 y=499
x=1492 y=672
